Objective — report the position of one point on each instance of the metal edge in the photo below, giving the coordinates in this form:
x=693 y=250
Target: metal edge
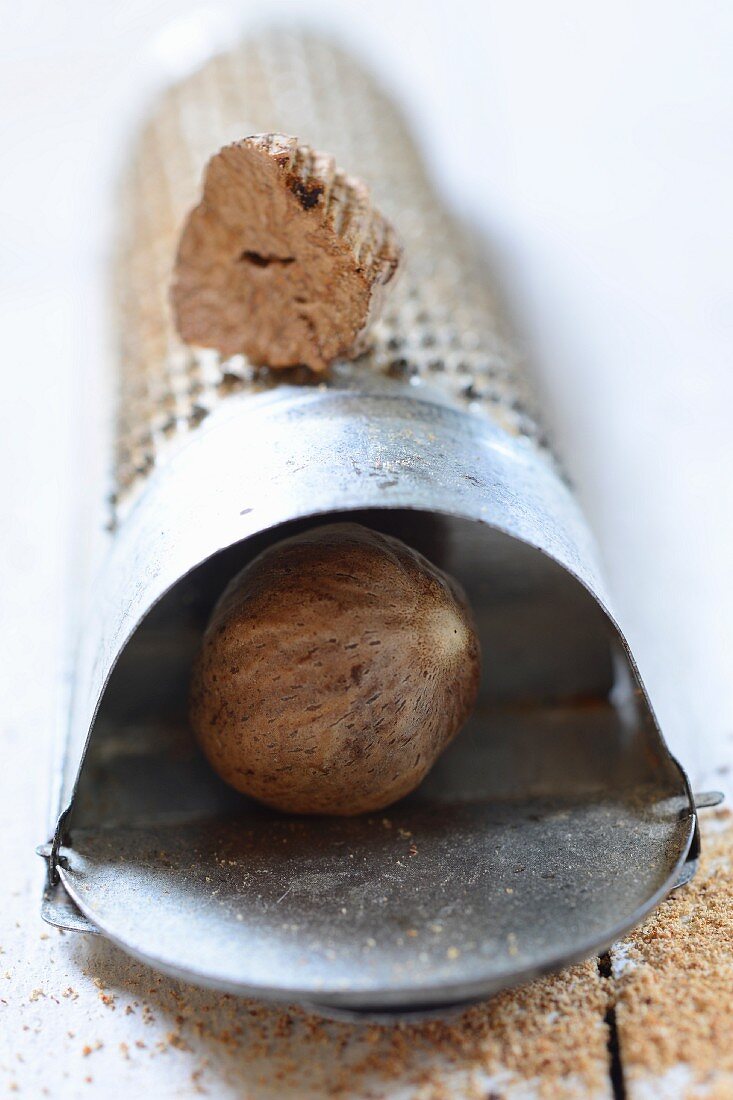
x=455 y=996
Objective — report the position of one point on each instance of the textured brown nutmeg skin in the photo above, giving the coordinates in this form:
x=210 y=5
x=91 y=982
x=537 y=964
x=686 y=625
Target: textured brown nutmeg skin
x=335 y=669
x=284 y=260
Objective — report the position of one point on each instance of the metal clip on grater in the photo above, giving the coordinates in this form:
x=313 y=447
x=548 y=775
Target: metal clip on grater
x=555 y=821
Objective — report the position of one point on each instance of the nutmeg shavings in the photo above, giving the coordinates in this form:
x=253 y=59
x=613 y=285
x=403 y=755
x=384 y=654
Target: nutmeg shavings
x=285 y=258
x=674 y=979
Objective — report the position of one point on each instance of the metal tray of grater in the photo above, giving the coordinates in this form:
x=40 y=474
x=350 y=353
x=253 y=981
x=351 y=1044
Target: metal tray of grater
x=555 y=821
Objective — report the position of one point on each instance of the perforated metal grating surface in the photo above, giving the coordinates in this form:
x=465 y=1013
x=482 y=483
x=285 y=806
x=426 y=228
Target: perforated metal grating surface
x=442 y=325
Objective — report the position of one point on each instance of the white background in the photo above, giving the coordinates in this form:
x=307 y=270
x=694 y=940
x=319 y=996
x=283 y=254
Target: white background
x=591 y=142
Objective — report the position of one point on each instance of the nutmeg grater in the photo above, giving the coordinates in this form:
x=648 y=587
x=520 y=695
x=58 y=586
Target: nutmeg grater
x=555 y=821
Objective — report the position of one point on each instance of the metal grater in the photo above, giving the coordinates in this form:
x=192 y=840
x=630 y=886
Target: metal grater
x=554 y=822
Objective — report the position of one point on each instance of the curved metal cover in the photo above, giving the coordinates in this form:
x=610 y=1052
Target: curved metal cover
x=552 y=825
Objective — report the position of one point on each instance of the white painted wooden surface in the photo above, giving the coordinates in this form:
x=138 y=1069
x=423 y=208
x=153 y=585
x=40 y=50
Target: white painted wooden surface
x=592 y=145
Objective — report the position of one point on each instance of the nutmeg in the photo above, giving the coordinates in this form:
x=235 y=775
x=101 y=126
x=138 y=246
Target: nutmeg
x=284 y=260
x=334 y=670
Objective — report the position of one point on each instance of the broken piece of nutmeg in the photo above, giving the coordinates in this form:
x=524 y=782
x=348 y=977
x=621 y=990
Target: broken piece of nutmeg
x=284 y=260
x=334 y=670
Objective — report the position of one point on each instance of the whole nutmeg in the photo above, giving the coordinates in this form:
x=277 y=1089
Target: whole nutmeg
x=335 y=669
